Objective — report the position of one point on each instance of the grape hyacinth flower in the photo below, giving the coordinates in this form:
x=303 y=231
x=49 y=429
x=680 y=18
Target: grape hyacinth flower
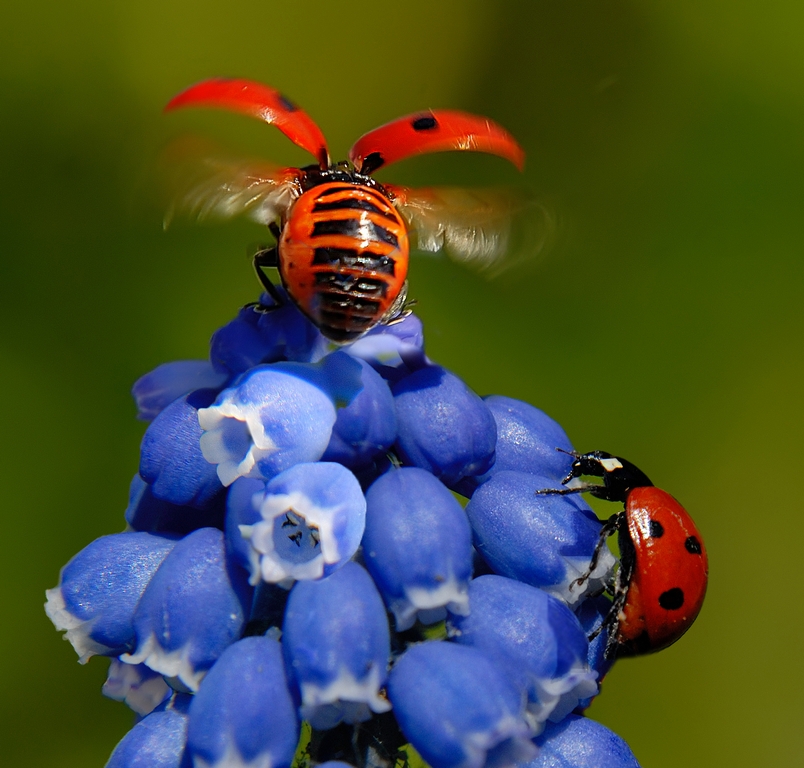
x=417 y=546
x=299 y=582
x=535 y=639
x=311 y=521
x=158 y=740
x=337 y=645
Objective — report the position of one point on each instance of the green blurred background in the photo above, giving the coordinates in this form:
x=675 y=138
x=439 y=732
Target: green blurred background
x=665 y=324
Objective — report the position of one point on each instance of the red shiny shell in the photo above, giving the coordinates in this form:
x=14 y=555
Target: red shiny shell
x=343 y=257
x=668 y=584
x=260 y=101
x=433 y=131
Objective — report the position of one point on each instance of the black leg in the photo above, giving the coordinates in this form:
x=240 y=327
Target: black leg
x=609 y=527
x=583 y=488
x=266 y=258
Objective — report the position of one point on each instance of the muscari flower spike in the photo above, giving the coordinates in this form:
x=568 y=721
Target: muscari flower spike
x=293 y=533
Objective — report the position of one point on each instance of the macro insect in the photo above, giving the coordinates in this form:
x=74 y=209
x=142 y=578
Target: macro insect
x=342 y=238
x=661 y=583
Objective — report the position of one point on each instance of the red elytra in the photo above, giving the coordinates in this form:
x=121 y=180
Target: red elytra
x=343 y=238
x=669 y=574
x=433 y=132
x=260 y=101
x=661 y=583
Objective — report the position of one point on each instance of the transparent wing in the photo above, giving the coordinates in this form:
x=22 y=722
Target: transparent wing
x=203 y=183
x=488 y=229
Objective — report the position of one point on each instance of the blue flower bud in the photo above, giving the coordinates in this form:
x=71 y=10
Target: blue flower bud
x=170 y=459
x=456 y=708
x=156 y=741
x=395 y=350
x=337 y=647
x=100 y=588
x=337 y=374
x=534 y=638
x=367 y=426
x=271 y=420
x=254 y=338
x=136 y=685
x=527 y=439
x=156 y=390
x=243 y=713
x=146 y=512
x=545 y=541
x=443 y=426
x=193 y=608
x=578 y=742
x=312 y=519
x=417 y=546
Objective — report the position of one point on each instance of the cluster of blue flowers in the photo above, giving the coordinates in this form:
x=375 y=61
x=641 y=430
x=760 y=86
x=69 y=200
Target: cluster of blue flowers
x=295 y=552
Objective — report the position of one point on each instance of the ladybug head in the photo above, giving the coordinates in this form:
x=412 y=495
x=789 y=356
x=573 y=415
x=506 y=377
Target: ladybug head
x=619 y=476
x=344 y=172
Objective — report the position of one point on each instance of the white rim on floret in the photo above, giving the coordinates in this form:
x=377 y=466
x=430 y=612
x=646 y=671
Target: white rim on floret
x=424 y=603
x=126 y=683
x=76 y=630
x=168 y=663
x=559 y=696
x=569 y=591
x=231 y=758
x=507 y=743
x=345 y=699
x=273 y=567
x=234 y=438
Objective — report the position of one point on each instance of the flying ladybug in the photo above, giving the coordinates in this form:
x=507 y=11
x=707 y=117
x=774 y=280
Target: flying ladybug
x=343 y=239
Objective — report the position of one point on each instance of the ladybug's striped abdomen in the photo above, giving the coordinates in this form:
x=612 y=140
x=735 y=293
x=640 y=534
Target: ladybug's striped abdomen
x=343 y=258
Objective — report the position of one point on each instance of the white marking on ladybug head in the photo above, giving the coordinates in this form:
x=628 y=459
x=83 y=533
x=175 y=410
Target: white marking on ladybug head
x=611 y=464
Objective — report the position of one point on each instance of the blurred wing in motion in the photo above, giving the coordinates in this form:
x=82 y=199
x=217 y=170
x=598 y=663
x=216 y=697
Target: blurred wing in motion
x=205 y=184
x=488 y=229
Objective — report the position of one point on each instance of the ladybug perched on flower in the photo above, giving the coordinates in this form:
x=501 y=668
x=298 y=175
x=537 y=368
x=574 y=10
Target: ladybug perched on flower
x=660 y=586
x=342 y=238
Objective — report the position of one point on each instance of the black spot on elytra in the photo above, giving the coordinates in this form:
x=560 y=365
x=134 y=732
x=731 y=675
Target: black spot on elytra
x=371 y=163
x=692 y=545
x=672 y=599
x=287 y=104
x=656 y=529
x=424 y=123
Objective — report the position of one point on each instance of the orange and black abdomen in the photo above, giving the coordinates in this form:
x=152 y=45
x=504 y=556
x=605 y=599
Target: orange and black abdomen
x=343 y=258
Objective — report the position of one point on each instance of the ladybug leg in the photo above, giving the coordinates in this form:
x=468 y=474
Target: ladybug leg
x=580 y=488
x=266 y=258
x=612 y=620
x=609 y=527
